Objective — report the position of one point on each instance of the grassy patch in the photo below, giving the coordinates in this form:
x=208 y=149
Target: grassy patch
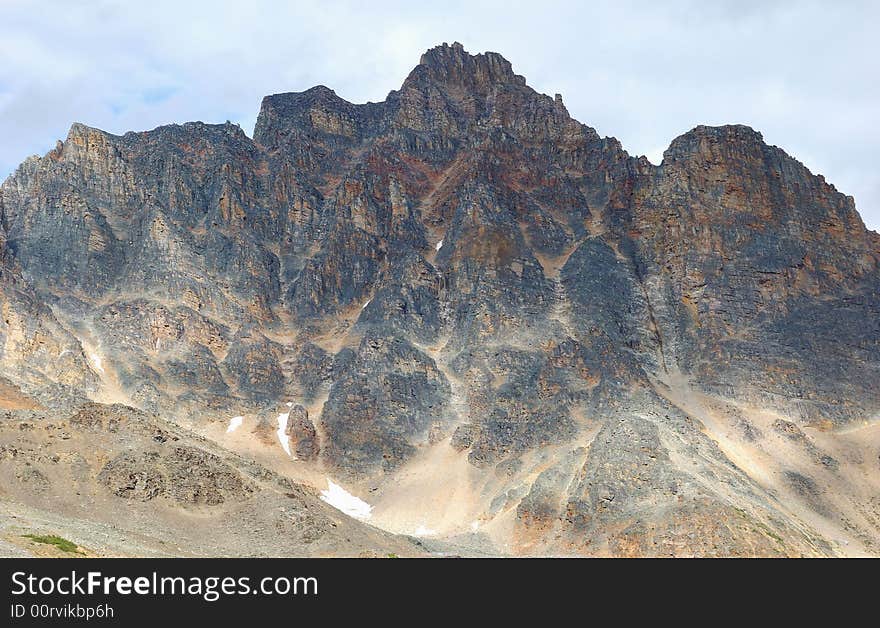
x=50 y=539
x=771 y=533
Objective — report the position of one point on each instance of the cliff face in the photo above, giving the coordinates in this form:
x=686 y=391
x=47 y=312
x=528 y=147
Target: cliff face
x=766 y=275
x=465 y=268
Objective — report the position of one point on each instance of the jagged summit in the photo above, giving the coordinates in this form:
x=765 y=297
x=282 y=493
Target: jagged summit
x=299 y=101
x=449 y=89
x=454 y=66
x=730 y=135
x=444 y=63
x=459 y=287
x=464 y=79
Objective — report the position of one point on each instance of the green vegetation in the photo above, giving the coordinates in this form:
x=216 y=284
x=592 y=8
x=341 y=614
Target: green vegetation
x=50 y=539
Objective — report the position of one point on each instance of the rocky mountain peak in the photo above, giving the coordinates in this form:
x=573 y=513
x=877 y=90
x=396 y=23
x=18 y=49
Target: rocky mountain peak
x=735 y=167
x=464 y=276
x=454 y=66
x=317 y=110
x=703 y=141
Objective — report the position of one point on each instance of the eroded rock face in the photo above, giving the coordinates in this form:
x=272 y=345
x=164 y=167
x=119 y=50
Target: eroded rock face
x=122 y=482
x=465 y=262
x=188 y=476
x=384 y=403
x=631 y=475
x=755 y=267
x=302 y=434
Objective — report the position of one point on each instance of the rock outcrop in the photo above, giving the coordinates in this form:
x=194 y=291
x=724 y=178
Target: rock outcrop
x=123 y=482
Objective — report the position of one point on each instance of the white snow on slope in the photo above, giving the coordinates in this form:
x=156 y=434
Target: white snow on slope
x=366 y=303
x=423 y=531
x=439 y=245
x=234 y=424
x=96 y=361
x=282 y=430
x=342 y=500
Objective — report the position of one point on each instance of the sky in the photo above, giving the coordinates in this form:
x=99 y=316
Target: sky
x=805 y=74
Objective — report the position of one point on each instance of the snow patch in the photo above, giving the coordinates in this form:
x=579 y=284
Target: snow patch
x=96 y=362
x=366 y=303
x=234 y=423
x=475 y=525
x=282 y=430
x=344 y=501
x=64 y=353
x=439 y=245
x=423 y=531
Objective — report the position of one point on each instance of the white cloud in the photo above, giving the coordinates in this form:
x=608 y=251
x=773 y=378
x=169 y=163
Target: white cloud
x=803 y=73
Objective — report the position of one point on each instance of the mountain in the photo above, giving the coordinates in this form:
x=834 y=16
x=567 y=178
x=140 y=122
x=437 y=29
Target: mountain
x=496 y=327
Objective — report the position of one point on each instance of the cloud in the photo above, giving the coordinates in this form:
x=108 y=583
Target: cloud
x=803 y=73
